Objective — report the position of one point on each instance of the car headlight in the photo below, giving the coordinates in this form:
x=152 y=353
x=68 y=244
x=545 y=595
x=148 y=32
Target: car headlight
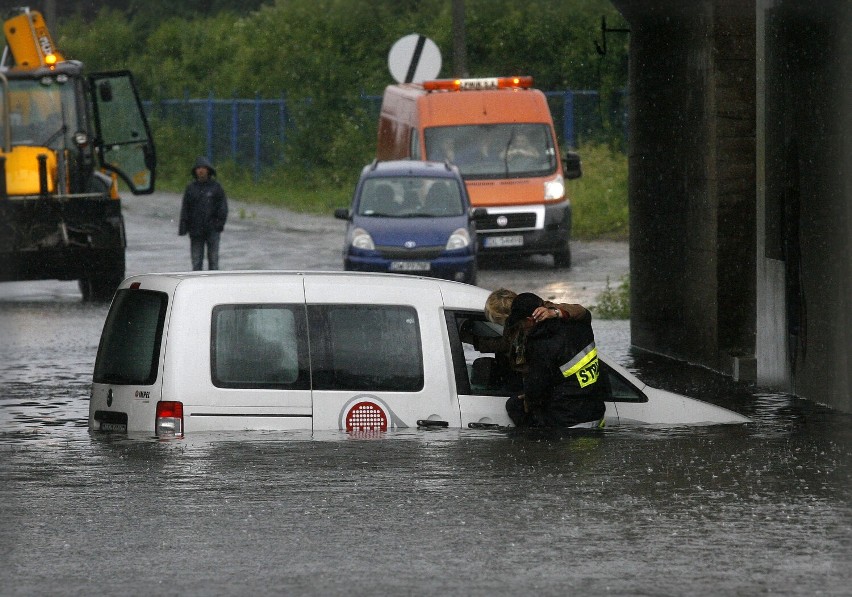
x=361 y=239
x=459 y=239
x=554 y=189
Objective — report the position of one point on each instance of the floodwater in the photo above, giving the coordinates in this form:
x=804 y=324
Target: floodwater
x=762 y=508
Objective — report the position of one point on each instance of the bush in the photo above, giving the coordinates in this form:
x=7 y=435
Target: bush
x=614 y=303
x=599 y=197
x=177 y=148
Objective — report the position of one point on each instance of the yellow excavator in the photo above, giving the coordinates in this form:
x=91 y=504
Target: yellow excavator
x=66 y=138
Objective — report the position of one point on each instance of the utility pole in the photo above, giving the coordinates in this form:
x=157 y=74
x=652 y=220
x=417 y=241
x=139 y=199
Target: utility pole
x=50 y=12
x=459 y=44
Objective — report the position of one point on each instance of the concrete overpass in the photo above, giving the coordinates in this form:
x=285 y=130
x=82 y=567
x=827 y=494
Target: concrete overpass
x=740 y=175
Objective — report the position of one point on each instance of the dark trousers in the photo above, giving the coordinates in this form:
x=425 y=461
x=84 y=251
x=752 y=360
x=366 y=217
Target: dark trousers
x=196 y=250
x=558 y=412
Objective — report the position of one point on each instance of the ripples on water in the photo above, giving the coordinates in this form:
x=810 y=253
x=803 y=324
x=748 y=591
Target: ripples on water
x=758 y=508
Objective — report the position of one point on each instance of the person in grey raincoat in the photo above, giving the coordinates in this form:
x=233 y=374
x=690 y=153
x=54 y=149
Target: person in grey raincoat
x=203 y=213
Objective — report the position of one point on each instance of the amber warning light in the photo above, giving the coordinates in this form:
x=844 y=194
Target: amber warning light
x=477 y=84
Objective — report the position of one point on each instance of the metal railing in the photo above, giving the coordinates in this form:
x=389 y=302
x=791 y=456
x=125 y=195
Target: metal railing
x=254 y=132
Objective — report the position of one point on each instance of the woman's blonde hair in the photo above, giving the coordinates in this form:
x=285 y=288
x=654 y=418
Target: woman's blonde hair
x=499 y=304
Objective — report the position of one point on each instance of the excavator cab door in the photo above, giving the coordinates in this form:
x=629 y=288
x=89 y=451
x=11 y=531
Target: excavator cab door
x=123 y=139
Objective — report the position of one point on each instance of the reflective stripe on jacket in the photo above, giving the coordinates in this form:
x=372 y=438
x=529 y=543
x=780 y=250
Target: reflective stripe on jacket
x=561 y=360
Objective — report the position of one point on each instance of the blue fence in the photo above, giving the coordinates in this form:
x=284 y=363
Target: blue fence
x=253 y=132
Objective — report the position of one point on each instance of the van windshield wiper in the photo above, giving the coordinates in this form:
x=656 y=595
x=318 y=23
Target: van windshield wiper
x=506 y=152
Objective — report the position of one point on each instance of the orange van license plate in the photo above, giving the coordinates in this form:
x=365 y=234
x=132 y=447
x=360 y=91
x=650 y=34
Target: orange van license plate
x=504 y=241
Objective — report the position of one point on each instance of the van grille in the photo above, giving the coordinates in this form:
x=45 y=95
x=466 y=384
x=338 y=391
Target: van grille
x=419 y=253
x=516 y=221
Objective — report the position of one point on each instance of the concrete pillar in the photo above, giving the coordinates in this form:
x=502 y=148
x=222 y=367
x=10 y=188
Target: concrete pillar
x=691 y=168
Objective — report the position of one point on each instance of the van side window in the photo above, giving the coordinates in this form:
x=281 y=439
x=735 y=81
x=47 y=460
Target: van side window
x=480 y=365
x=617 y=389
x=365 y=347
x=129 y=353
x=259 y=346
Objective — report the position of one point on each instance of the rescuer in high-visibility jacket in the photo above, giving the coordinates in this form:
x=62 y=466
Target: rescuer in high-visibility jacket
x=558 y=359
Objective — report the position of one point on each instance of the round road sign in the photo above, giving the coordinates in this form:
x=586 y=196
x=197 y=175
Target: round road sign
x=414 y=59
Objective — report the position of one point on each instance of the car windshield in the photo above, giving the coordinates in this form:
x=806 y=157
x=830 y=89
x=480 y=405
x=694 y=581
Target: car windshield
x=410 y=197
x=494 y=150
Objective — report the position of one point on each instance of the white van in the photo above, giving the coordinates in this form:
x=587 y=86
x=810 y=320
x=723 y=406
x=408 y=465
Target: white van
x=205 y=351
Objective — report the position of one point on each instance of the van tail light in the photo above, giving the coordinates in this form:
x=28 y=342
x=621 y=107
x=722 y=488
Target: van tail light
x=169 y=420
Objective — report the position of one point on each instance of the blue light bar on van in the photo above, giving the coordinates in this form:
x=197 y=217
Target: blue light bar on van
x=478 y=84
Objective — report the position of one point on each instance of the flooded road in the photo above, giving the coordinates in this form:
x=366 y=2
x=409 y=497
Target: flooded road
x=724 y=510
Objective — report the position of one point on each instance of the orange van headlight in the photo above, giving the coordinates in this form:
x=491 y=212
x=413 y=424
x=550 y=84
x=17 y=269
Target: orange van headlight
x=554 y=190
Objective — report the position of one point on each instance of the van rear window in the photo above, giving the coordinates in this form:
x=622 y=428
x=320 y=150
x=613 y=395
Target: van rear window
x=129 y=351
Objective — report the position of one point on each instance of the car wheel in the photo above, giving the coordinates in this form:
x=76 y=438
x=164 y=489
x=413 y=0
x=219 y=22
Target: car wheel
x=562 y=259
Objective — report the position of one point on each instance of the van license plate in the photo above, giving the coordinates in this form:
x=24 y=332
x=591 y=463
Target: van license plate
x=410 y=266
x=504 y=241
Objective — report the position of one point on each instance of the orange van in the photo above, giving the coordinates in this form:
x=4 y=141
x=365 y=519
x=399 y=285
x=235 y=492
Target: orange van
x=499 y=132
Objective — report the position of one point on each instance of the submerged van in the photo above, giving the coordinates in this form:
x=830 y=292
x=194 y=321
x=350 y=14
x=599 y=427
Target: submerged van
x=499 y=132
x=208 y=351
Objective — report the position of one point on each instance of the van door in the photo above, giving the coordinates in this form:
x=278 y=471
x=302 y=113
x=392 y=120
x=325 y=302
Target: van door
x=483 y=382
x=238 y=354
x=378 y=357
x=124 y=143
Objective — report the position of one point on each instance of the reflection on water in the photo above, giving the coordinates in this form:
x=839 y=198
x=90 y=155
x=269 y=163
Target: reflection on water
x=759 y=508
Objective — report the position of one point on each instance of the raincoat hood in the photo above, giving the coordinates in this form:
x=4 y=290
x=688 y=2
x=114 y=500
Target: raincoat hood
x=200 y=162
x=522 y=307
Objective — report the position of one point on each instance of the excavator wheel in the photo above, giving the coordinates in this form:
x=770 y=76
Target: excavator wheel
x=99 y=285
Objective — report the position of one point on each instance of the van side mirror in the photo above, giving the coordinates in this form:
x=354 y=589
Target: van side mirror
x=479 y=214
x=342 y=213
x=572 y=165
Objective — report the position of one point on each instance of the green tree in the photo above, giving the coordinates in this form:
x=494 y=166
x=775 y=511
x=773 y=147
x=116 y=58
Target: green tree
x=323 y=55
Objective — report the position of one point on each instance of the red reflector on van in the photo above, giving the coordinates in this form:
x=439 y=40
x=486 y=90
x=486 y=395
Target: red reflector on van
x=169 y=418
x=366 y=416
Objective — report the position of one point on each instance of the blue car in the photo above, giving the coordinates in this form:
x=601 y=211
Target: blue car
x=411 y=217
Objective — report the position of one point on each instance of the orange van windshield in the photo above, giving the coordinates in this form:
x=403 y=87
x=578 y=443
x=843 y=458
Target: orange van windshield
x=494 y=150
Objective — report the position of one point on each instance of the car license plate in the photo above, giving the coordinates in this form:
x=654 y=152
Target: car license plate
x=504 y=241
x=410 y=266
x=113 y=427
